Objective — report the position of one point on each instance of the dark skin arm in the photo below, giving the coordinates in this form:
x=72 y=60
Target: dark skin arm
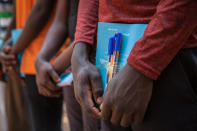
x=37 y=19
x=54 y=40
x=63 y=61
x=87 y=80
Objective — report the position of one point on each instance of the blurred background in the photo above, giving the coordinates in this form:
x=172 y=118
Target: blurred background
x=6 y=101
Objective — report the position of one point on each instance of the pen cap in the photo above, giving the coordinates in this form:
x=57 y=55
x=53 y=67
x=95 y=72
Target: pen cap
x=111 y=46
x=118 y=41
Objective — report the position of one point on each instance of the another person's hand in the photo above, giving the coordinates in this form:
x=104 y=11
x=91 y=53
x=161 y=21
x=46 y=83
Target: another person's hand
x=8 y=60
x=127 y=97
x=87 y=80
x=46 y=79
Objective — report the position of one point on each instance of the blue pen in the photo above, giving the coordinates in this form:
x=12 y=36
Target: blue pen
x=110 y=54
x=116 y=53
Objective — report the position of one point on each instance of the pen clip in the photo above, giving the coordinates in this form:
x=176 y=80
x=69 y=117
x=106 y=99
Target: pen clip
x=118 y=41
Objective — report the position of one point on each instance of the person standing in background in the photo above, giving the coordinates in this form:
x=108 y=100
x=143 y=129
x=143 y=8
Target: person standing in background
x=47 y=74
x=16 y=112
x=35 y=18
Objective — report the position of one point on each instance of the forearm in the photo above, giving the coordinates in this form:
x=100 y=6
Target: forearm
x=80 y=56
x=10 y=28
x=63 y=61
x=167 y=32
x=36 y=21
x=57 y=33
x=54 y=40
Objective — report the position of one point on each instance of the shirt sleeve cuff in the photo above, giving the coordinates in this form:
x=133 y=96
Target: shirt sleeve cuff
x=81 y=38
x=84 y=41
x=143 y=68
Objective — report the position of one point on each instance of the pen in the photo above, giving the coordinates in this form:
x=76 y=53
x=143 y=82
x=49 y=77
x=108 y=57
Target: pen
x=116 y=53
x=110 y=53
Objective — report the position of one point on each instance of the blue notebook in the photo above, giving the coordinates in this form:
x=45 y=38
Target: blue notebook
x=66 y=80
x=130 y=34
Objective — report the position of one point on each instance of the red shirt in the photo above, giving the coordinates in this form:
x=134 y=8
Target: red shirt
x=172 y=26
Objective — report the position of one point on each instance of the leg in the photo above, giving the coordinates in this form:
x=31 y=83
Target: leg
x=90 y=123
x=174 y=102
x=78 y=120
x=73 y=109
x=17 y=116
x=45 y=113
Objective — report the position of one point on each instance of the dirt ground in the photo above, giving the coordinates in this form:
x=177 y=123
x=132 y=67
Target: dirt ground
x=3 y=122
x=65 y=124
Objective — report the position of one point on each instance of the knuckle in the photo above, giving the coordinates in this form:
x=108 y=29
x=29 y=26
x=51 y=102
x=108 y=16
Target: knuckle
x=88 y=110
x=106 y=105
x=82 y=73
x=119 y=108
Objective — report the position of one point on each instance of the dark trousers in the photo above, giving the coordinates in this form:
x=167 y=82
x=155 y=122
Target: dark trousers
x=78 y=119
x=173 y=106
x=45 y=113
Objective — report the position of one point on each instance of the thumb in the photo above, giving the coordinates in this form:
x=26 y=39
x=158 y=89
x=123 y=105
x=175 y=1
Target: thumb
x=55 y=77
x=97 y=89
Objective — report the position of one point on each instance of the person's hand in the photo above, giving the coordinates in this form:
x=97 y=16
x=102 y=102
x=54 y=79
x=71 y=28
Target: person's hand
x=87 y=81
x=127 y=97
x=8 y=60
x=46 y=79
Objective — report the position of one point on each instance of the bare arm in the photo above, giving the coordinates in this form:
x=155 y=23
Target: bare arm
x=64 y=60
x=55 y=38
x=57 y=33
x=37 y=19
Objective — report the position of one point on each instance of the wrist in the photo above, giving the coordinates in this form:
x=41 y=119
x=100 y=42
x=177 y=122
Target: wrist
x=132 y=70
x=38 y=62
x=42 y=57
x=81 y=53
x=80 y=58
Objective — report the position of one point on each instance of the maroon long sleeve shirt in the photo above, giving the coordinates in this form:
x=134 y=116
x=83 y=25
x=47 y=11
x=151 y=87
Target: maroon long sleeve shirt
x=172 y=26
